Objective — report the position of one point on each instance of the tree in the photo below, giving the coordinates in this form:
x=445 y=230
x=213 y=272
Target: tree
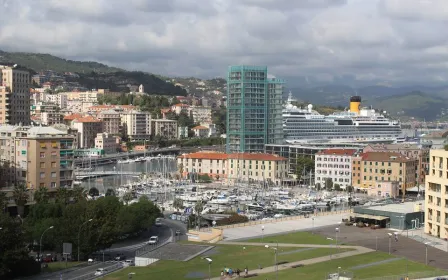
x=3 y=202
x=21 y=196
x=63 y=196
x=337 y=187
x=304 y=165
x=41 y=195
x=110 y=192
x=349 y=189
x=93 y=192
x=79 y=194
x=178 y=204
x=317 y=186
x=198 y=207
x=181 y=169
x=328 y=184
x=127 y=197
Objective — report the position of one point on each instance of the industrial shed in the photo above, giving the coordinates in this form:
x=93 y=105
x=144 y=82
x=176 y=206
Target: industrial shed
x=401 y=216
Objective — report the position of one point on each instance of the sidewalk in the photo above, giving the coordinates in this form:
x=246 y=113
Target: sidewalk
x=358 y=251
x=419 y=236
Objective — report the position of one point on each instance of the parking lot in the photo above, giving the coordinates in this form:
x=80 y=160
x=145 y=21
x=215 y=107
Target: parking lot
x=379 y=239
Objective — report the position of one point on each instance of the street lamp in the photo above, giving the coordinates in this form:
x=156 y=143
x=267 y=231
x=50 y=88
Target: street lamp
x=40 y=243
x=79 y=234
x=337 y=233
x=312 y=228
x=390 y=241
x=339 y=271
x=209 y=265
x=262 y=233
x=426 y=251
x=331 y=255
x=275 y=259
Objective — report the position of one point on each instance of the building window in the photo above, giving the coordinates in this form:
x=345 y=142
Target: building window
x=42 y=175
x=42 y=155
x=53 y=184
x=53 y=174
x=53 y=164
x=42 y=165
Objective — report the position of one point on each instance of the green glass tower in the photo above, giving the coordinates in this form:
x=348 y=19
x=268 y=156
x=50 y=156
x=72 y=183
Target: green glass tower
x=254 y=109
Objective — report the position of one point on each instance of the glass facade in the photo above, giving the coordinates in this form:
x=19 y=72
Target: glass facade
x=254 y=109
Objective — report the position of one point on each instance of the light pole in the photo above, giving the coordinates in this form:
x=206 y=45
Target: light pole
x=376 y=243
x=312 y=229
x=275 y=259
x=337 y=233
x=390 y=241
x=262 y=233
x=331 y=255
x=209 y=267
x=339 y=271
x=79 y=234
x=40 y=243
x=426 y=252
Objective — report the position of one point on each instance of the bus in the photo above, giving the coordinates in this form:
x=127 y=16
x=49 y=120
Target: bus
x=158 y=222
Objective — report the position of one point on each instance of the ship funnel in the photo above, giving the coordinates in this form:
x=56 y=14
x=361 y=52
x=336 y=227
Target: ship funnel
x=355 y=104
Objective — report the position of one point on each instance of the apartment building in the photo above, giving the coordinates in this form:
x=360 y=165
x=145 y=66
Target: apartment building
x=164 y=128
x=436 y=194
x=118 y=108
x=201 y=114
x=136 y=125
x=200 y=131
x=15 y=96
x=111 y=121
x=385 y=167
x=59 y=99
x=87 y=127
x=51 y=118
x=334 y=164
x=36 y=156
x=106 y=142
x=238 y=167
x=179 y=108
x=420 y=153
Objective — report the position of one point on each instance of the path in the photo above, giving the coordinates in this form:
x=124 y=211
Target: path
x=358 y=250
x=276 y=227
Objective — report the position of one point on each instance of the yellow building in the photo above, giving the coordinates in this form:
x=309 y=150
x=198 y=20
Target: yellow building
x=436 y=194
x=385 y=167
x=14 y=96
x=238 y=167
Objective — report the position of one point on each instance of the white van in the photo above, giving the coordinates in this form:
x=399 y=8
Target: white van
x=158 y=222
x=153 y=240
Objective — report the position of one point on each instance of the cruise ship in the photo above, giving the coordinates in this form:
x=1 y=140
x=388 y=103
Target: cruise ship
x=356 y=124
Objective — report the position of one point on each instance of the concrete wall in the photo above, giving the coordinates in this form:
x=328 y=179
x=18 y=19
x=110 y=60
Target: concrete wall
x=212 y=236
x=139 y=261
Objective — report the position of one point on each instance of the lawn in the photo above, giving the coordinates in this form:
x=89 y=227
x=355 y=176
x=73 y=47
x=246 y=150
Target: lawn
x=300 y=237
x=56 y=266
x=320 y=270
x=223 y=256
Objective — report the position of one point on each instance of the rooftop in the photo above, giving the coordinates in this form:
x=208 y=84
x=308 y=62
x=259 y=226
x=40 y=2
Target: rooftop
x=72 y=117
x=199 y=127
x=181 y=105
x=88 y=119
x=402 y=208
x=395 y=147
x=385 y=156
x=338 y=152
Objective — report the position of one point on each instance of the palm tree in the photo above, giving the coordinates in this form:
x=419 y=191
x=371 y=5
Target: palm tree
x=41 y=195
x=178 y=204
x=63 y=196
x=198 y=207
x=79 y=194
x=21 y=196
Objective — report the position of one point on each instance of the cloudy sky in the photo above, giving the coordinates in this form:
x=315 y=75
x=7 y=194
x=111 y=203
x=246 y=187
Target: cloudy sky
x=372 y=41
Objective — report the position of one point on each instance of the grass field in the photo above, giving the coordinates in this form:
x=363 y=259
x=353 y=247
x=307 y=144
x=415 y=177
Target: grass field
x=56 y=266
x=224 y=256
x=300 y=237
x=320 y=270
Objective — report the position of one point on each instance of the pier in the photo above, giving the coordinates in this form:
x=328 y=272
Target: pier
x=89 y=174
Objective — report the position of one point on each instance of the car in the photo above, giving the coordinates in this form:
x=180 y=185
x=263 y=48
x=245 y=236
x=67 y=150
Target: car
x=100 y=271
x=120 y=258
x=129 y=262
x=153 y=240
x=178 y=232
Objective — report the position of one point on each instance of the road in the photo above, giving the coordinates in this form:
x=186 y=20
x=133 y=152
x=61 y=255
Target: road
x=126 y=248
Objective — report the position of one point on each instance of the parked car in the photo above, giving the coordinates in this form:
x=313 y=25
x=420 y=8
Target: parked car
x=100 y=271
x=153 y=240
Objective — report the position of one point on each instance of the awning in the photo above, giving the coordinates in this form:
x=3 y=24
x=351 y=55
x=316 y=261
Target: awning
x=371 y=217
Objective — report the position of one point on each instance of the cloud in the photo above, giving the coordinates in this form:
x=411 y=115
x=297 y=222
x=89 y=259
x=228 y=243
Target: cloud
x=394 y=41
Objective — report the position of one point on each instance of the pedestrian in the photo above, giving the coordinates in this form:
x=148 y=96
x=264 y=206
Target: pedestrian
x=246 y=271
x=238 y=271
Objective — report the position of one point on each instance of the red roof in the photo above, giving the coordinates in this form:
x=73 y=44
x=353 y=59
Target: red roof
x=72 y=117
x=338 y=152
x=165 y=110
x=385 y=156
x=241 y=156
x=182 y=105
x=88 y=119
